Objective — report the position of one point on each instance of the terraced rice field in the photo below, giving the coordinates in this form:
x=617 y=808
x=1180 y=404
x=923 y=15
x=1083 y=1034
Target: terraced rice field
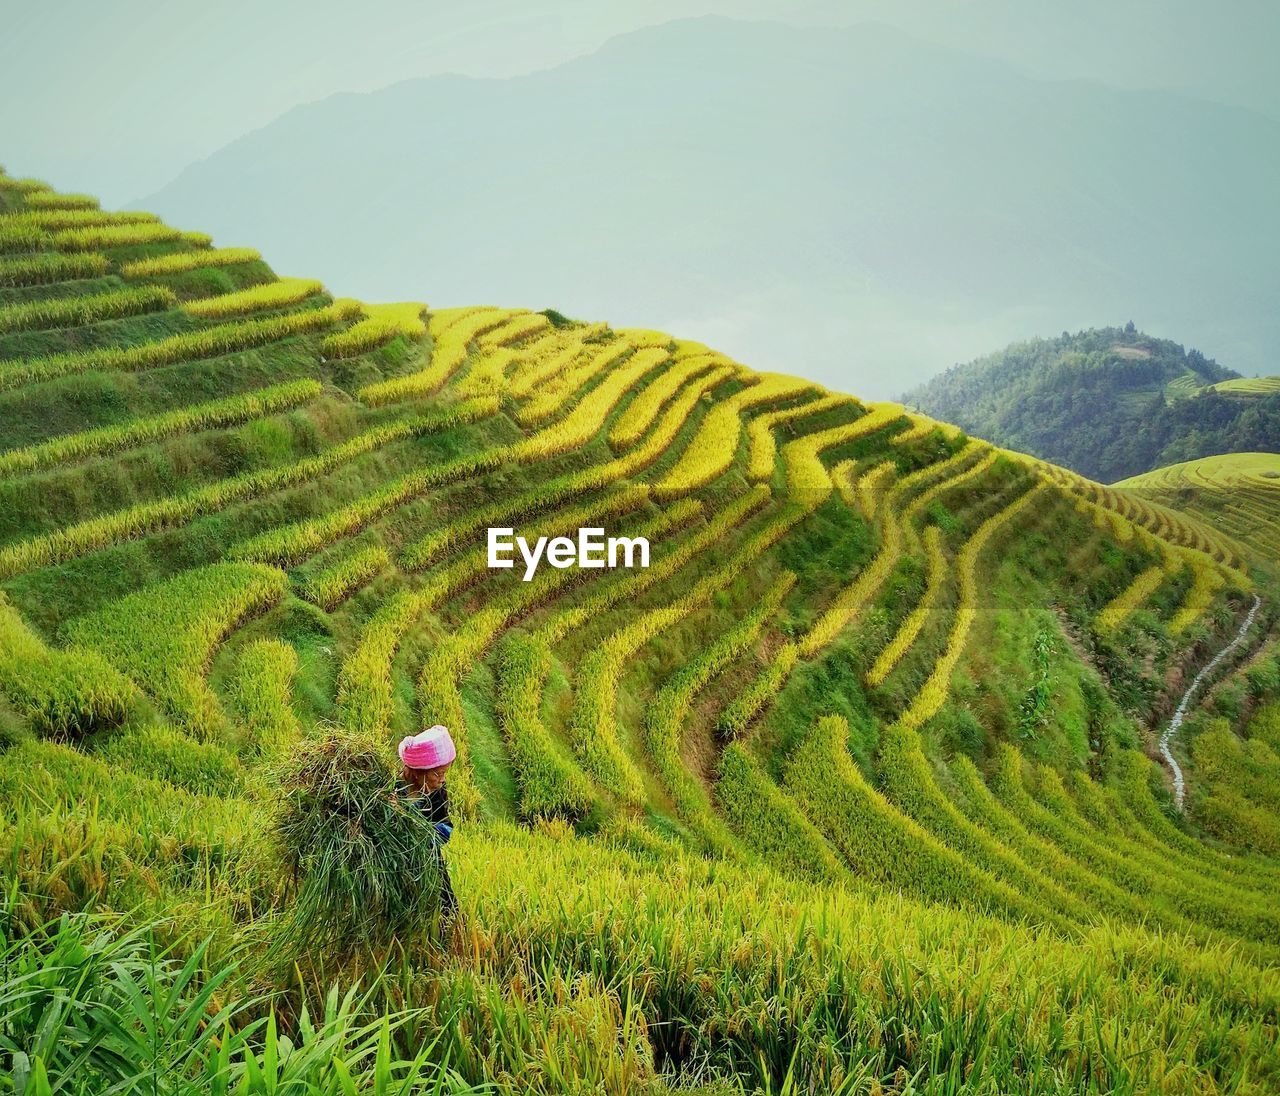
x=1238 y=493
x=1249 y=386
x=825 y=796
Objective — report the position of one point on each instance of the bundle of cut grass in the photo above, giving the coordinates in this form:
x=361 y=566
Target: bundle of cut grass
x=363 y=856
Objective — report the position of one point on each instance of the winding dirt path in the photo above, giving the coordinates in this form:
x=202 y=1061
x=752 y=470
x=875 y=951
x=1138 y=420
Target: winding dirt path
x=1179 y=785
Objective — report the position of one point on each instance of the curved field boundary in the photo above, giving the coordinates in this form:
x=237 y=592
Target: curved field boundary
x=593 y=721
x=905 y=637
x=863 y=492
x=261 y=694
x=1050 y=790
x=65 y=691
x=283 y=293
x=290 y=543
x=762 y=453
x=714 y=446
x=551 y=399
x=145 y=518
x=164 y=635
x=49 y=200
x=1249 y=386
x=139 y=431
x=649 y=401
x=1207 y=580
x=105 y=237
x=50 y=219
x=949 y=482
x=544 y=367
x=437 y=542
x=808 y=480
x=851 y=600
x=500 y=351
x=1179 y=528
x=907 y=780
x=770 y=822
x=878 y=841
x=82 y=310
x=51 y=268
x=669 y=711
x=1195 y=900
x=439 y=696
x=1127 y=602
x=933 y=694
x=380 y=324
x=179 y=262
x=364 y=689
x=632 y=585
x=332 y=585
x=452 y=332
x=209 y=342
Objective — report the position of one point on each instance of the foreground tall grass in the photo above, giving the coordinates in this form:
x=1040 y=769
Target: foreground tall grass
x=92 y=1005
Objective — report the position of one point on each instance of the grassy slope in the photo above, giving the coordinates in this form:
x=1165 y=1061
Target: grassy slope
x=145 y=567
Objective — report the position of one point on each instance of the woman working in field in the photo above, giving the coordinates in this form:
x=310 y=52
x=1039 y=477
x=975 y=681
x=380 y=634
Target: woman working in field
x=426 y=758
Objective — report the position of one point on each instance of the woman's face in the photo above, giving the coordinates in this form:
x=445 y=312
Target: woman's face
x=428 y=780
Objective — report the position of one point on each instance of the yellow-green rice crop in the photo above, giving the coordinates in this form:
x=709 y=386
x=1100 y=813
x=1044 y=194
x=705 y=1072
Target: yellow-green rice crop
x=744 y=707
x=1123 y=606
x=105 y=237
x=770 y=822
x=330 y=586
x=208 y=342
x=65 y=692
x=935 y=576
x=452 y=331
x=381 y=324
x=763 y=446
x=641 y=412
x=554 y=357
x=1207 y=581
x=261 y=696
x=55 y=312
x=714 y=446
x=139 y=431
x=551 y=396
x=179 y=262
x=165 y=635
x=52 y=267
x=58 y=220
x=257 y=298
x=48 y=199
x=551 y=785
x=149 y=517
x=21 y=236
x=879 y=842
x=28 y=187
x=669 y=711
x=933 y=693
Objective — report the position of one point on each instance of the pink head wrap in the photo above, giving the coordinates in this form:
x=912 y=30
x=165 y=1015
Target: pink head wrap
x=432 y=748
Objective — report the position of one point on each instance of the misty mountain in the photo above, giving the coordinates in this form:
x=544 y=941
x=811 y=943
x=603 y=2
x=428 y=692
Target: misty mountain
x=851 y=203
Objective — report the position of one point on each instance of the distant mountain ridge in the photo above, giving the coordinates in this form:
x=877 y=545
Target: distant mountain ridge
x=1109 y=403
x=853 y=199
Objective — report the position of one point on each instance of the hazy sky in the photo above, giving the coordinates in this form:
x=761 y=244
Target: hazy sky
x=117 y=97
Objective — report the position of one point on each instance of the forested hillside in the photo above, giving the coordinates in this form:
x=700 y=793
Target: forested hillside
x=853 y=789
x=1108 y=403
